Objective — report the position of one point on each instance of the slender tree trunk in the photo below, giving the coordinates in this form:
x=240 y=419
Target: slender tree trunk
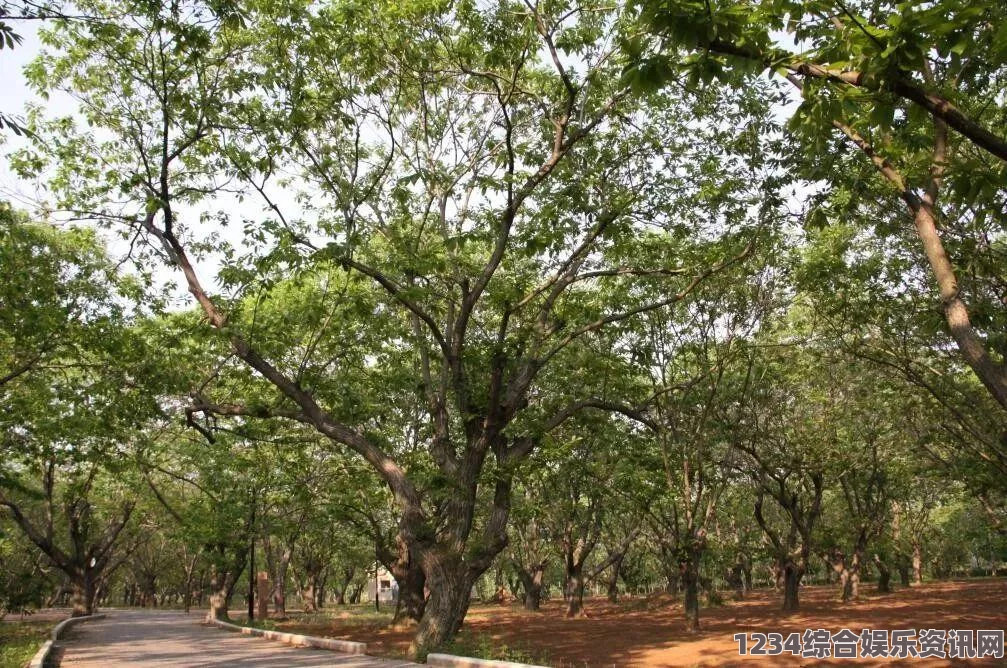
x=344 y=584
x=671 y=583
x=690 y=578
x=884 y=576
x=201 y=588
x=279 y=589
x=190 y=570
x=613 y=579
x=320 y=590
x=902 y=565
x=917 y=563
x=741 y=575
x=792 y=574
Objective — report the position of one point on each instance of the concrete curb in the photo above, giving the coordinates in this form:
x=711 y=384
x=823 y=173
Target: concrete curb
x=451 y=661
x=345 y=646
x=41 y=658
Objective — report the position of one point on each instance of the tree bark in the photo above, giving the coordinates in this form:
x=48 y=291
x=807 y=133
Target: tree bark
x=412 y=584
x=917 y=563
x=308 y=595
x=445 y=609
x=321 y=589
x=792 y=574
x=221 y=588
x=574 y=589
x=190 y=569
x=613 y=579
x=690 y=578
x=279 y=589
x=851 y=592
x=344 y=584
x=84 y=588
x=884 y=576
x=531 y=584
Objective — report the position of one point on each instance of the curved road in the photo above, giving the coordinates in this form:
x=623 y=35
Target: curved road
x=144 y=638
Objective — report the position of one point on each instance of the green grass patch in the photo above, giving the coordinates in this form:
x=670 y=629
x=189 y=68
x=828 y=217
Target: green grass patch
x=482 y=646
x=264 y=624
x=19 y=640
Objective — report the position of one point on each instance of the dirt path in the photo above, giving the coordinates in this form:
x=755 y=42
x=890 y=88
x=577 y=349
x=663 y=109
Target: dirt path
x=141 y=638
x=650 y=632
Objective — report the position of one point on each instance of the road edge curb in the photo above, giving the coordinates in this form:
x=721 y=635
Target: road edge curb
x=294 y=639
x=41 y=658
x=452 y=661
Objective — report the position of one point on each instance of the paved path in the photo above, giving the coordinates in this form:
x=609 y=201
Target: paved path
x=144 y=638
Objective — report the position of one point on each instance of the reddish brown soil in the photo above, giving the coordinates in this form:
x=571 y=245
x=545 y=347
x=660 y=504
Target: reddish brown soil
x=649 y=632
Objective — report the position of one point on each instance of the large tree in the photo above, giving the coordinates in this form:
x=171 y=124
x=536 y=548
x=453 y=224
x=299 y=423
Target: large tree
x=908 y=91
x=488 y=178
x=74 y=402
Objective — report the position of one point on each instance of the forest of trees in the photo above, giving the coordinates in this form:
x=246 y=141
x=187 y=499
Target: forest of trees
x=535 y=296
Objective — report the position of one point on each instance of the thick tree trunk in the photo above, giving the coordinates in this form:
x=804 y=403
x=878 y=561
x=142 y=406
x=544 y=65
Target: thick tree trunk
x=84 y=589
x=412 y=583
x=450 y=591
x=307 y=594
x=792 y=575
x=227 y=568
x=531 y=584
x=220 y=595
x=574 y=591
x=358 y=590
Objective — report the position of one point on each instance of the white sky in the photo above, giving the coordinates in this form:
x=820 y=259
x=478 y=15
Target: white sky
x=27 y=195
x=15 y=95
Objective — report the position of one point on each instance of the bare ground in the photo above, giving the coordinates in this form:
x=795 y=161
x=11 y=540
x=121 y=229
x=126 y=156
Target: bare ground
x=650 y=632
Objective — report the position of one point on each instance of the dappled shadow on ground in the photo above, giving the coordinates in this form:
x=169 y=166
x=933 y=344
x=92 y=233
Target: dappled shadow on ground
x=650 y=632
x=145 y=638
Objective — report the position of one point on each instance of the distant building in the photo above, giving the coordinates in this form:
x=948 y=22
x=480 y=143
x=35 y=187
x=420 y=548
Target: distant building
x=383 y=585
